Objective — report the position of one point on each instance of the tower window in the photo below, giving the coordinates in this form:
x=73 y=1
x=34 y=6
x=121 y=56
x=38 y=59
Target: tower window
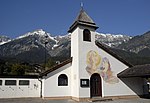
x=86 y=35
x=62 y=80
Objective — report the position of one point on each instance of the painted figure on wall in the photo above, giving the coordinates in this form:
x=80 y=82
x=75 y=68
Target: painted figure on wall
x=93 y=61
x=107 y=73
x=97 y=64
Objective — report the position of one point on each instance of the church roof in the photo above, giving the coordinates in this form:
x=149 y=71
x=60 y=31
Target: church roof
x=100 y=45
x=19 y=76
x=108 y=50
x=55 y=67
x=136 y=71
x=82 y=19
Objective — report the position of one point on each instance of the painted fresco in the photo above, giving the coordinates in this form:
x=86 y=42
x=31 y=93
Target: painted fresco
x=97 y=64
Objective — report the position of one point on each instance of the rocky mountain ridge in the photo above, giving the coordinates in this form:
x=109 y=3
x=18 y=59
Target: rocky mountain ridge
x=109 y=39
x=39 y=45
x=4 y=39
x=33 y=46
x=138 y=44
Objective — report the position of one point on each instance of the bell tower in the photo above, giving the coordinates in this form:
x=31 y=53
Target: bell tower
x=82 y=29
x=82 y=40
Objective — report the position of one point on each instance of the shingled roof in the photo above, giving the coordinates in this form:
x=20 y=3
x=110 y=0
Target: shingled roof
x=20 y=76
x=105 y=48
x=55 y=67
x=136 y=71
x=82 y=19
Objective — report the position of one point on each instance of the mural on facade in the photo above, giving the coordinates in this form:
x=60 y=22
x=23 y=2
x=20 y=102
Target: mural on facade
x=97 y=64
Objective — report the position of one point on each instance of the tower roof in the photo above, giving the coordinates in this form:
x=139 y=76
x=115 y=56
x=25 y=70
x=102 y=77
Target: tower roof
x=82 y=19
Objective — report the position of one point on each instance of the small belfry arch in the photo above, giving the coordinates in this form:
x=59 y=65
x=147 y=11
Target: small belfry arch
x=86 y=35
x=95 y=85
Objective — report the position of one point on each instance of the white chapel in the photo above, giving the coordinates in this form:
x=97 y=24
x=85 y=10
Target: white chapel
x=92 y=71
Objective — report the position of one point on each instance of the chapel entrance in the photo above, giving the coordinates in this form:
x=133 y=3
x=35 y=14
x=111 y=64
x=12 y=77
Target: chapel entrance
x=95 y=85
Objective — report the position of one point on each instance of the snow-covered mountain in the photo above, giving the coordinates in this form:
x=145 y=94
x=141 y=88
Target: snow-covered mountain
x=138 y=44
x=112 y=40
x=34 y=47
x=38 y=43
x=4 y=39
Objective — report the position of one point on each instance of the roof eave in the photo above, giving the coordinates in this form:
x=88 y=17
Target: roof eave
x=55 y=67
x=113 y=54
x=20 y=76
x=76 y=23
x=130 y=76
x=136 y=71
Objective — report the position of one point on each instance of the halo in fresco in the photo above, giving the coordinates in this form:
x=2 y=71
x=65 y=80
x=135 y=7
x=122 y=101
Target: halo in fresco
x=97 y=64
x=93 y=61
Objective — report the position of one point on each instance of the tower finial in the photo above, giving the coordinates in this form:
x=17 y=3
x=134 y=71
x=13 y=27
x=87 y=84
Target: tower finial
x=81 y=5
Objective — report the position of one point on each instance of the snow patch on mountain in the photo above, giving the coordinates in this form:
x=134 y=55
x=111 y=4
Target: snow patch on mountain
x=39 y=32
x=42 y=37
x=4 y=42
x=4 y=39
x=55 y=45
x=111 y=40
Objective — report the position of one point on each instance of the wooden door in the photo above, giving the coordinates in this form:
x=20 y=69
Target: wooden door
x=95 y=85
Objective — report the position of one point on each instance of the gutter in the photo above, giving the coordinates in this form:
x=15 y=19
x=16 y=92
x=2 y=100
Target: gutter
x=40 y=79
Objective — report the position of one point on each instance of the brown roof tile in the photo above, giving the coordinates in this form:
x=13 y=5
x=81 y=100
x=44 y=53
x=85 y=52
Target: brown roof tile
x=56 y=67
x=20 y=76
x=105 y=48
x=136 y=71
x=82 y=19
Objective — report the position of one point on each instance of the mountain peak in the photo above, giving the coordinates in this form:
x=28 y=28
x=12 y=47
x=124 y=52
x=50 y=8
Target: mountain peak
x=112 y=40
x=4 y=39
x=39 y=32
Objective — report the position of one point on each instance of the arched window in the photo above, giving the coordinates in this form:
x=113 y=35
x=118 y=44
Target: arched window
x=62 y=80
x=86 y=35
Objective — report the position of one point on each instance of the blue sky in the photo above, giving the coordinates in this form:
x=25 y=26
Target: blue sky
x=17 y=17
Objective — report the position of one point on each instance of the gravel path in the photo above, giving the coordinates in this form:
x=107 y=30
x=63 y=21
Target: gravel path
x=39 y=100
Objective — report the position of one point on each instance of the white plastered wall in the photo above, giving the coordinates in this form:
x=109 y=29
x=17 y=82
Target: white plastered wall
x=84 y=48
x=121 y=88
x=20 y=91
x=50 y=83
x=80 y=50
x=75 y=63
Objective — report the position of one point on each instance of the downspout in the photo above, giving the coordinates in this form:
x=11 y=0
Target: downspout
x=40 y=79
